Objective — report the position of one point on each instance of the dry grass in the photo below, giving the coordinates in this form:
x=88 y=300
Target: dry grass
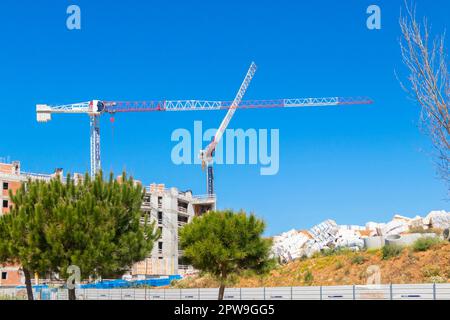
x=341 y=269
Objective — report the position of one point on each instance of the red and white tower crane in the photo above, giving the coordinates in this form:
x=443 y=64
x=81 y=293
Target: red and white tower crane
x=95 y=108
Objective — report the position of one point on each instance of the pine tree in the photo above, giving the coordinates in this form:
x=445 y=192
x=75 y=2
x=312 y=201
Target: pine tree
x=224 y=244
x=98 y=228
x=22 y=231
x=93 y=224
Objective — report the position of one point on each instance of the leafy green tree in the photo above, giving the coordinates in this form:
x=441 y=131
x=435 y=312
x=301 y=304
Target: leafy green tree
x=94 y=224
x=224 y=244
x=99 y=227
x=22 y=231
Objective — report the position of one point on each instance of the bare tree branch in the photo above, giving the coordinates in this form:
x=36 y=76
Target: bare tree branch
x=429 y=83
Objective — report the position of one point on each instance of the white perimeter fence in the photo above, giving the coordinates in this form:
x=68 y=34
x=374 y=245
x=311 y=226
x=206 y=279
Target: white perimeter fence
x=438 y=291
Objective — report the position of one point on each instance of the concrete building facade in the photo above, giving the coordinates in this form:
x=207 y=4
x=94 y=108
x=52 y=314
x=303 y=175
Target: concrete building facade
x=171 y=209
x=10 y=179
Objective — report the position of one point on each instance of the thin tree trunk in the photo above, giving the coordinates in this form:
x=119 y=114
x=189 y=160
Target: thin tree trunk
x=72 y=295
x=27 y=275
x=221 y=291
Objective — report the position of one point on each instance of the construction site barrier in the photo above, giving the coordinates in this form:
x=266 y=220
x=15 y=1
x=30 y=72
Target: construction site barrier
x=437 y=291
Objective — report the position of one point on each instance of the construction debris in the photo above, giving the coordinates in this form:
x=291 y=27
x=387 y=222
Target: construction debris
x=438 y=219
x=348 y=238
x=395 y=226
x=287 y=246
x=328 y=234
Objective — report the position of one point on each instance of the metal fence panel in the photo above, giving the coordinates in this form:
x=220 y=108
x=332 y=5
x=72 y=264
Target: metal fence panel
x=115 y=294
x=212 y=294
x=62 y=295
x=306 y=293
x=128 y=294
x=252 y=293
x=337 y=293
x=372 y=292
x=105 y=294
x=155 y=294
x=278 y=293
x=189 y=294
x=443 y=291
x=439 y=291
x=229 y=294
x=140 y=294
x=412 y=292
x=8 y=293
x=91 y=294
x=172 y=294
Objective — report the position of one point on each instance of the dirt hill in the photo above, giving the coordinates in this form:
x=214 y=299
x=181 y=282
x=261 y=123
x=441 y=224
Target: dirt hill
x=344 y=268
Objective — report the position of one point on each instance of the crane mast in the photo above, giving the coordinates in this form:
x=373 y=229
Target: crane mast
x=94 y=109
x=95 y=145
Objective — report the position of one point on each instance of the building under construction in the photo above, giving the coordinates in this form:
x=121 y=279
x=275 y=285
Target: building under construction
x=169 y=208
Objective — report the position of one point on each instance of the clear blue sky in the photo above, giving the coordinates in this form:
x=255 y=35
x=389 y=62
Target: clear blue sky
x=351 y=164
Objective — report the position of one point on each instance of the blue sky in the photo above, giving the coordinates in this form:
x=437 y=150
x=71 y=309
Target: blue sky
x=352 y=164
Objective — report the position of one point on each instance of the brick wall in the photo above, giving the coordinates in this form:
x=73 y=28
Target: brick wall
x=10 y=276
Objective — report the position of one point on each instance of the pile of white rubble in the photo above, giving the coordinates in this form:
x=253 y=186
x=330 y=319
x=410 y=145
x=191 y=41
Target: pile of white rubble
x=295 y=244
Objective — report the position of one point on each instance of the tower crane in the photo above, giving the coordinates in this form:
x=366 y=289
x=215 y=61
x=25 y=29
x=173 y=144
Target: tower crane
x=96 y=108
x=206 y=155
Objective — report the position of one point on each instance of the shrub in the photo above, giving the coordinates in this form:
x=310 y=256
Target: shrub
x=391 y=251
x=309 y=278
x=335 y=251
x=358 y=259
x=425 y=243
x=431 y=271
x=339 y=265
x=423 y=230
x=328 y=252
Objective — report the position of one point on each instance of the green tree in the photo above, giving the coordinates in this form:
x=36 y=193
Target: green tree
x=93 y=224
x=99 y=227
x=224 y=244
x=22 y=232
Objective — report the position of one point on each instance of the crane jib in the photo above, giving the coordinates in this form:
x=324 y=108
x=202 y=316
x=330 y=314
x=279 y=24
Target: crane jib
x=200 y=105
x=95 y=108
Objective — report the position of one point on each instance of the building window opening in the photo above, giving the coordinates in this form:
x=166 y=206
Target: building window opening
x=182 y=206
x=160 y=217
x=182 y=220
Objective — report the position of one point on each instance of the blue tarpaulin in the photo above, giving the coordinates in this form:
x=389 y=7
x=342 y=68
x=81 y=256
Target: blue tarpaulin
x=153 y=282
